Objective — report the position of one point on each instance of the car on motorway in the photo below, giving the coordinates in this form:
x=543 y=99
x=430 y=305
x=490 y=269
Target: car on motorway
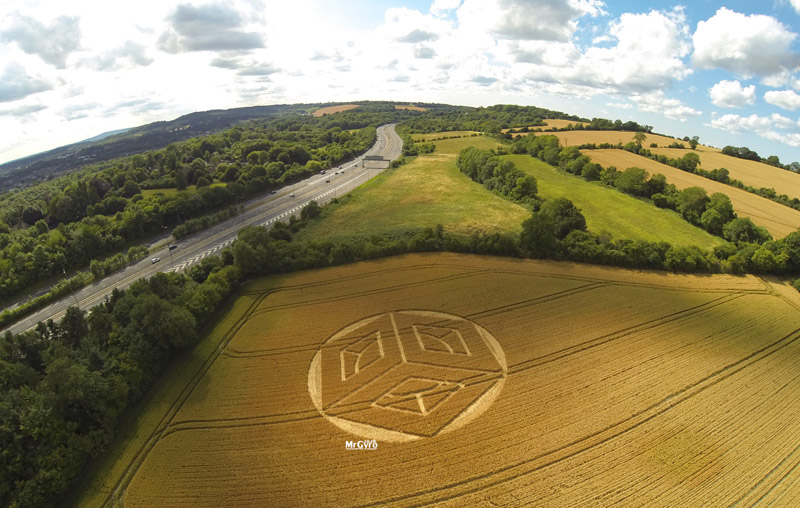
x=273 y=192
x=291 y=195
x=172 y=246
x=322 y=172
x=327 y=180
x=155 y=260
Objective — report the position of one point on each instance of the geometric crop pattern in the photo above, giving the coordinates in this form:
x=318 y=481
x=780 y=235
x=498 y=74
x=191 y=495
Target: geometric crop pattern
x=406 y=375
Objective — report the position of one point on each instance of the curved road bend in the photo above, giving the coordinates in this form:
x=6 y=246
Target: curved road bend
x=262 y=211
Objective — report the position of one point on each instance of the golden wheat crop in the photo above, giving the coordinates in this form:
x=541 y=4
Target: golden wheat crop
x=487 y=381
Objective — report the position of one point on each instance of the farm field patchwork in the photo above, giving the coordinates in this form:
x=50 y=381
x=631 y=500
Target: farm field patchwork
x=779 y=220
x=756 y=174
x=607 y=209
x=428 y=191
x=485 y=381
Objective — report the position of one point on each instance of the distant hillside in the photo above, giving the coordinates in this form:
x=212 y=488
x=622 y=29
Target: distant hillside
x=46 y=165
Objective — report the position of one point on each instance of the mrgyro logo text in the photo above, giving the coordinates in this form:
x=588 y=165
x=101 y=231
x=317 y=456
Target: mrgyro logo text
x=369 y=444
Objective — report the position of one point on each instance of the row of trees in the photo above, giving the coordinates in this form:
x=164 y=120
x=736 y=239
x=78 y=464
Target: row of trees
x=485 y=167
x=750 y=248
x=743 y=152
x=690 y=162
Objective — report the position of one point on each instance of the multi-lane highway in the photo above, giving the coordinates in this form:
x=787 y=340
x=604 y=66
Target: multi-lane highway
x=261 y=211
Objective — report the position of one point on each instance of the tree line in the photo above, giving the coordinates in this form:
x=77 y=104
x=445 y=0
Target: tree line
x=102 y=210
x=748 y=249
x=690 y=162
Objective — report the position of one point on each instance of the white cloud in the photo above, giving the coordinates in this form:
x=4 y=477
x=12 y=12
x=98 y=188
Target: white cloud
x=763 y=126
x=52 y=43
x=658 y=103
x=648 y=54
x=731 y=94
x=785 y=99
x=795 y=4
x=211 y=27
x=438 y=7
x=543 y=20
x=754 y=45
x=130 y=54
x=620 y=105
x=736 y=123
x=424 y=52
x=16 y=83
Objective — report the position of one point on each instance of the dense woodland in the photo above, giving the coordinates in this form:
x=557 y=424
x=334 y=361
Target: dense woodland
x=101 y=210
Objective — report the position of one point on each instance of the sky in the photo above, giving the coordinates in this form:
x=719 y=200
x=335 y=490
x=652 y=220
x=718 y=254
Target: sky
x=728 y=72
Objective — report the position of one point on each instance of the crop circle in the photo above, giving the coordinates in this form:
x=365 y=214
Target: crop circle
x=406 y=375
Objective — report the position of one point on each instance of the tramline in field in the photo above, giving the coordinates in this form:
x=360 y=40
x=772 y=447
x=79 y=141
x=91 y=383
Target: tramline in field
x=484 y=380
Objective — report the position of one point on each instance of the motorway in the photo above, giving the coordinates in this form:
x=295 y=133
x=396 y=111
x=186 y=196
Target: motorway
x=263 y=210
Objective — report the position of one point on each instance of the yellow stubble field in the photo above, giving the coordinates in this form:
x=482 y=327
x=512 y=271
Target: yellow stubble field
x=486 y=382
x=333 y=109
x=779 y=220
x=756 y=174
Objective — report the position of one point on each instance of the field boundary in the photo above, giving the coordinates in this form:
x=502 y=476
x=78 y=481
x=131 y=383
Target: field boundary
x=118 y=490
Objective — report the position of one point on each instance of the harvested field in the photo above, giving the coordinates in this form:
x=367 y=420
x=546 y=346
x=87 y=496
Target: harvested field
x=333 y=109
x=756 y=174
x=779 y=220
x=558 y=124
x=570 y=138
x=485 y=382
x=411 y=108
x=550 y=124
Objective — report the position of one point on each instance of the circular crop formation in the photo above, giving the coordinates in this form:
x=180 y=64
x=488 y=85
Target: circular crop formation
x=406 y=375
x=468 y=381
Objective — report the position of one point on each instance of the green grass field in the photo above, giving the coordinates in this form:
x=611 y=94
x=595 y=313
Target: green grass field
x=448 y=134
x=428 y=191
x=609 y=210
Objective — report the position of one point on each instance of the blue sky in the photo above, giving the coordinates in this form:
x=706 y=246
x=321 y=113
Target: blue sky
x=727 y=72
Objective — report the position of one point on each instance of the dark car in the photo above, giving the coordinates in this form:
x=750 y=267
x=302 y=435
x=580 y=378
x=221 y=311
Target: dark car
x=173 y=246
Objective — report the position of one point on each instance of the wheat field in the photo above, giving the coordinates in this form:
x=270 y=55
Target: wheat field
x=485 y=382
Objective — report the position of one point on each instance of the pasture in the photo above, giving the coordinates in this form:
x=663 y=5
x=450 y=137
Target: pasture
x=607 y=209
x=429 y=190
x=485 y=382
x=438 y=136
